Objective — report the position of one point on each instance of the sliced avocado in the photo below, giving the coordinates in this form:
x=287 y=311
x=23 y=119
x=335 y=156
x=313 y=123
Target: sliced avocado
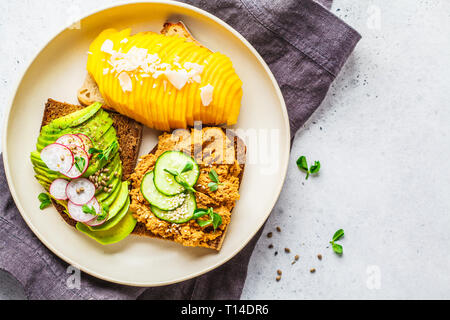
x=109 y=198
x=96 y=127
x=76 y=118
x=87 y=127
x=115 y=182
x=120 y=200
x=52 y=134
x=117 y=233
x=96 y=164
x=47 y=173
x=113 y=222
x=43 y=179
x=45 y=141
x=106 y=139
x=43 y=183
x=37 y=162
x=111 y=179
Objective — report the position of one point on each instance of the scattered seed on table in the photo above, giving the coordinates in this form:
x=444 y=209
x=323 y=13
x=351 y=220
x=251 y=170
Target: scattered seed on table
x=287 y=250
x=319 y=256
x=279 y=272
x=269 y=235
x=270 y=246
x=278 y=229
x=312 y=270
x=296 y=257
x=276 y=252
x=278 y=278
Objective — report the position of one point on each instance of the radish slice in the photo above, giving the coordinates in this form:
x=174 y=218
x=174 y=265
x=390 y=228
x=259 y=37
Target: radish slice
x=86 y=141
x=80 y=191
x=76 y=211
x=74 y=172
x=94 y=222
x=69 y=140
x=57 y=157
x=58 y=189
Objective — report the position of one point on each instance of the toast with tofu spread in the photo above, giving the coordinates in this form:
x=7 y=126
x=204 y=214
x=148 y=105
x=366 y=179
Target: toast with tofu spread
x=219 y=160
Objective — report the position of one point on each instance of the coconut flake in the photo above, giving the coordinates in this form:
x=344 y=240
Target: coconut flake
x=206 y=94
x=194 y=71
x=107 y=46
x=177 y=78
x=125 y=82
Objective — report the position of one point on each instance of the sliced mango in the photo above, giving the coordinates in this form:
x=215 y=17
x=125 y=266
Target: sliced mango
x=138 y=85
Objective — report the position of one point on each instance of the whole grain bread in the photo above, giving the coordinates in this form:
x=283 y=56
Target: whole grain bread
x=129 y=134
x=240 y=154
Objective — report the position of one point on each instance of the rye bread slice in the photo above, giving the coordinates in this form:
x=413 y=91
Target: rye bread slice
x=129 y=134
x=240 y=153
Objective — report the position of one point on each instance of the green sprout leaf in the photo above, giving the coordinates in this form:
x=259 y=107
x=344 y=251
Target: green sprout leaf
x=214 y=218
x=94 y=151
x=44 y=198
x=180 y=180
x=213 y=176
x=79 y=163
x=199 y=213
x=213 y=186
x=302 y=164
x=204 y=223
x=184 y=184
x=90 y=210
x=315 y=167
x=102 y=216
x=337 y=248
x=338 y=234
x=173 y=173
x=188 y=167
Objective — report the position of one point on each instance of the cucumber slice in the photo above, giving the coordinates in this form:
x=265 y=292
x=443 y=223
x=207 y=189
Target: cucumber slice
x=181 y=214
x=174 y=161
x=156 y=198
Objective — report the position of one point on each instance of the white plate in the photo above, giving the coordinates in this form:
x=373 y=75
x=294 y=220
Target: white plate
x=59 y=70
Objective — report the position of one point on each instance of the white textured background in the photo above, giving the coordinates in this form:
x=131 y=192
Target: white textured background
x=382 y=136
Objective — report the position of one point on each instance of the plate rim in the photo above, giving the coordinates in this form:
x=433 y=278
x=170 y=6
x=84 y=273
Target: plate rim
x=13 y=96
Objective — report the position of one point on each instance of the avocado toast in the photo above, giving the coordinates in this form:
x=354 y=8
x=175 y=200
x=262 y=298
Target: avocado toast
x=118 y=138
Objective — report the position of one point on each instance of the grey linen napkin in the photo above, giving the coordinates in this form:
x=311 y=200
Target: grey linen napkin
x=304 y=45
